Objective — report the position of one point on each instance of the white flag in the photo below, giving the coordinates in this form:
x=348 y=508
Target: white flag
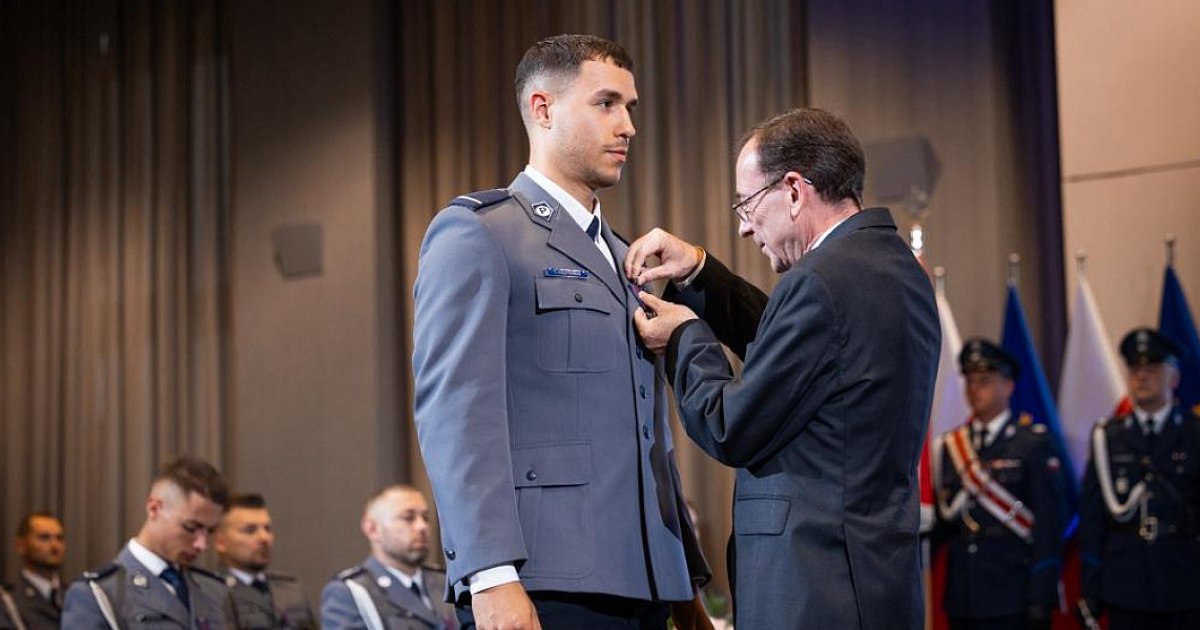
x=1091 y=384
x=949 y=407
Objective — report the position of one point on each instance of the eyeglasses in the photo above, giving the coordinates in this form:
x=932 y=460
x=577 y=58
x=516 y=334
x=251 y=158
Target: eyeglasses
x=739 y=208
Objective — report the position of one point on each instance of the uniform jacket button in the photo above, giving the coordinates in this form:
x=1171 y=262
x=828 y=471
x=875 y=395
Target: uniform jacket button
x=449 y=553
x=646 y=432
x=531 y=475
x=642 y=390
x=578 y=297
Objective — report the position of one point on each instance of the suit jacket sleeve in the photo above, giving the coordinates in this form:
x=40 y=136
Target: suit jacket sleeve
x=789 y=372
x=729 y=305
x=80 y=609
x=459 y=359
x=338 y=611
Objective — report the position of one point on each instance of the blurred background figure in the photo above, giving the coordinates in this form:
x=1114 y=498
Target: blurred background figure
x=263 y=599
x=41 y=548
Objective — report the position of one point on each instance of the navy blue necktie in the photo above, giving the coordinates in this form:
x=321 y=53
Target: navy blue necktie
x=593 y=228
x=172 y=576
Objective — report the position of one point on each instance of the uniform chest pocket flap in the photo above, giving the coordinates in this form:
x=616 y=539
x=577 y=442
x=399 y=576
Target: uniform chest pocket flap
x=576 y=331
x=761 y=515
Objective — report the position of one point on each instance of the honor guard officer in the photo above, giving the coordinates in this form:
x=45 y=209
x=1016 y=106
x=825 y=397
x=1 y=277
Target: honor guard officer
x=1138 y=511
x=1000 y=486
x=264 y=599
x=392 y=589
x=152 y=583
x=40 y=546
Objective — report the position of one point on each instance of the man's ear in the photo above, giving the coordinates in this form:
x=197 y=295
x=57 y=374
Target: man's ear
x=539 y=108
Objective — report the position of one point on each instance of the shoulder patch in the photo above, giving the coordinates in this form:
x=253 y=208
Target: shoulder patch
x=481 y=198
x=101 y=573
x=351 y=572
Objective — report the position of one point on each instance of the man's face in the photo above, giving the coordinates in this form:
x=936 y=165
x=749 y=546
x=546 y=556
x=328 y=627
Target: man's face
x=398 y=526
x=43 y=548
x=988 y=393
x=1150 y=386
x=770 y=222
x=245 y=538
x=181 y=524
x=591 y=123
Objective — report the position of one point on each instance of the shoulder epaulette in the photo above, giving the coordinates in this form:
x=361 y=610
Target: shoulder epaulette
x=481 y=198
x=101 y=573
x=351 y=572
x=206 y=573
x=282 y=577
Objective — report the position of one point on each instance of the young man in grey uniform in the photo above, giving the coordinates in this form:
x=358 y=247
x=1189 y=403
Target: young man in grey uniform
x=542 y=419
x=152 y=582
x=264 y=599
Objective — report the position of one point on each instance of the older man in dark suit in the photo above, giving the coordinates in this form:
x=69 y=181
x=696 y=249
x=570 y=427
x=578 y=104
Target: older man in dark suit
x=826 y=422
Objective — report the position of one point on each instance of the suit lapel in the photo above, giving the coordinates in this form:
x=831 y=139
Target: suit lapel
x=565 y=235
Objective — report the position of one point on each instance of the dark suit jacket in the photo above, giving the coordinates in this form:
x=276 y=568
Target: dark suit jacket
x=826 y=425
x=38 y=612
x=398 y=607
x=542 y=419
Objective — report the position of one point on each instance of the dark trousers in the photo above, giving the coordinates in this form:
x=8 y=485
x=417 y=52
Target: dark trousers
x=573 y=611
x=1011 y=622
x=1128 y=619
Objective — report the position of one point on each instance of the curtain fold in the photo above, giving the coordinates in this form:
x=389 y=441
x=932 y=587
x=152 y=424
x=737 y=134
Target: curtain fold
x=113 y=289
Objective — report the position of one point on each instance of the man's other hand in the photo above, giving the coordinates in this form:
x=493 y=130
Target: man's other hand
x=656 y=331
x=677 y=257
x=504 y=607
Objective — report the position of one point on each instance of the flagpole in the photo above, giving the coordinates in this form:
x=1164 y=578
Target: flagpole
x=1170 y=242
x=1014 y=269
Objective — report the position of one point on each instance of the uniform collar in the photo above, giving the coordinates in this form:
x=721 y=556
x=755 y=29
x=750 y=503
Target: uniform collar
x=149 y=559
x=245 y=577
x=41 y=584
x=575 y=209
x=994 y=426
x=1159 y=418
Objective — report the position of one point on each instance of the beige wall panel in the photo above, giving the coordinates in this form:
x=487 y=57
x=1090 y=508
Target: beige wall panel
x=1128 y=83
x=308 y=418
x=1120 y=224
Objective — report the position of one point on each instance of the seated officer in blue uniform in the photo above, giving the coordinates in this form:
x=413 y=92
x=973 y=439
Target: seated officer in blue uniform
x=1139 y=537
x=153 y=583
x=999 y=485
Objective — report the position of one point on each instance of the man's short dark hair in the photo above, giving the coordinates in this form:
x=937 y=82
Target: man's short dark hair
x=563 y=55
x=26 y=523
x=249 y=501
x=818 y=145
x=196 y=475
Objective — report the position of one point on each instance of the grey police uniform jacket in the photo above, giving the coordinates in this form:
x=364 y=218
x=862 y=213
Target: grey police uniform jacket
x=398 y=607
x=825 y=424
x=141 y=599
x=285 y=606
x=38 y=612
x=542 y=420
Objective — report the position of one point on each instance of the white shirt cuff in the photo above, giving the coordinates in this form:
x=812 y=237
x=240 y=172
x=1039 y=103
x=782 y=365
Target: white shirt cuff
x=683 y=284
x=494 y=576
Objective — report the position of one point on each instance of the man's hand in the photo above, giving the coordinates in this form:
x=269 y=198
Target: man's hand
x=677 y=257
x=656 y=331
x=690 y=615
x=504 y=607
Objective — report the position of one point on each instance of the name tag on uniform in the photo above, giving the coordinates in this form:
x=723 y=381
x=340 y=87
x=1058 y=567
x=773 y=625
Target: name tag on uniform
x=560 y=272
